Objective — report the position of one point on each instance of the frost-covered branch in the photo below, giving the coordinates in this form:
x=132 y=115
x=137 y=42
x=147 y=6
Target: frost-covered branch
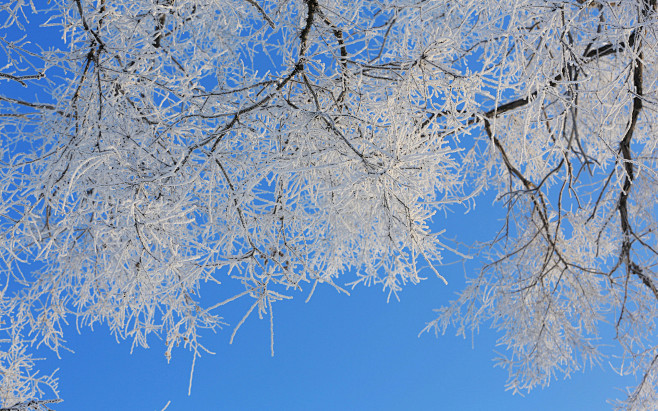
x=259 y=149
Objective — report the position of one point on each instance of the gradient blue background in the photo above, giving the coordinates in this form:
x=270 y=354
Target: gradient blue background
x=333 y=353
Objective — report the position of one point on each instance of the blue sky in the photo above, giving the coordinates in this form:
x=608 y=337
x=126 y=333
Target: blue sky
x=335 y=352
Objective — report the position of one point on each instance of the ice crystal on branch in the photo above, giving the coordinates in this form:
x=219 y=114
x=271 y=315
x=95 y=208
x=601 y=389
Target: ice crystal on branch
x=283 y=145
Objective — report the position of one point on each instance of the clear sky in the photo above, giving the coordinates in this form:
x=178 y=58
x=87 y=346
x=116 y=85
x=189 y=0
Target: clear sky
x=335 y=352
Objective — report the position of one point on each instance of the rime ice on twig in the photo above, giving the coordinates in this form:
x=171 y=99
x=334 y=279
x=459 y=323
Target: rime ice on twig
x=284 y=145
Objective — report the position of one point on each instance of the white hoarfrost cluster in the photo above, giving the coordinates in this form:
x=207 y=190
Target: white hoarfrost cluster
x=160 y=147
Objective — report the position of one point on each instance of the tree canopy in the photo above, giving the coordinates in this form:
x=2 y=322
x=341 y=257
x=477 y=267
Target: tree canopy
x=163 y=146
